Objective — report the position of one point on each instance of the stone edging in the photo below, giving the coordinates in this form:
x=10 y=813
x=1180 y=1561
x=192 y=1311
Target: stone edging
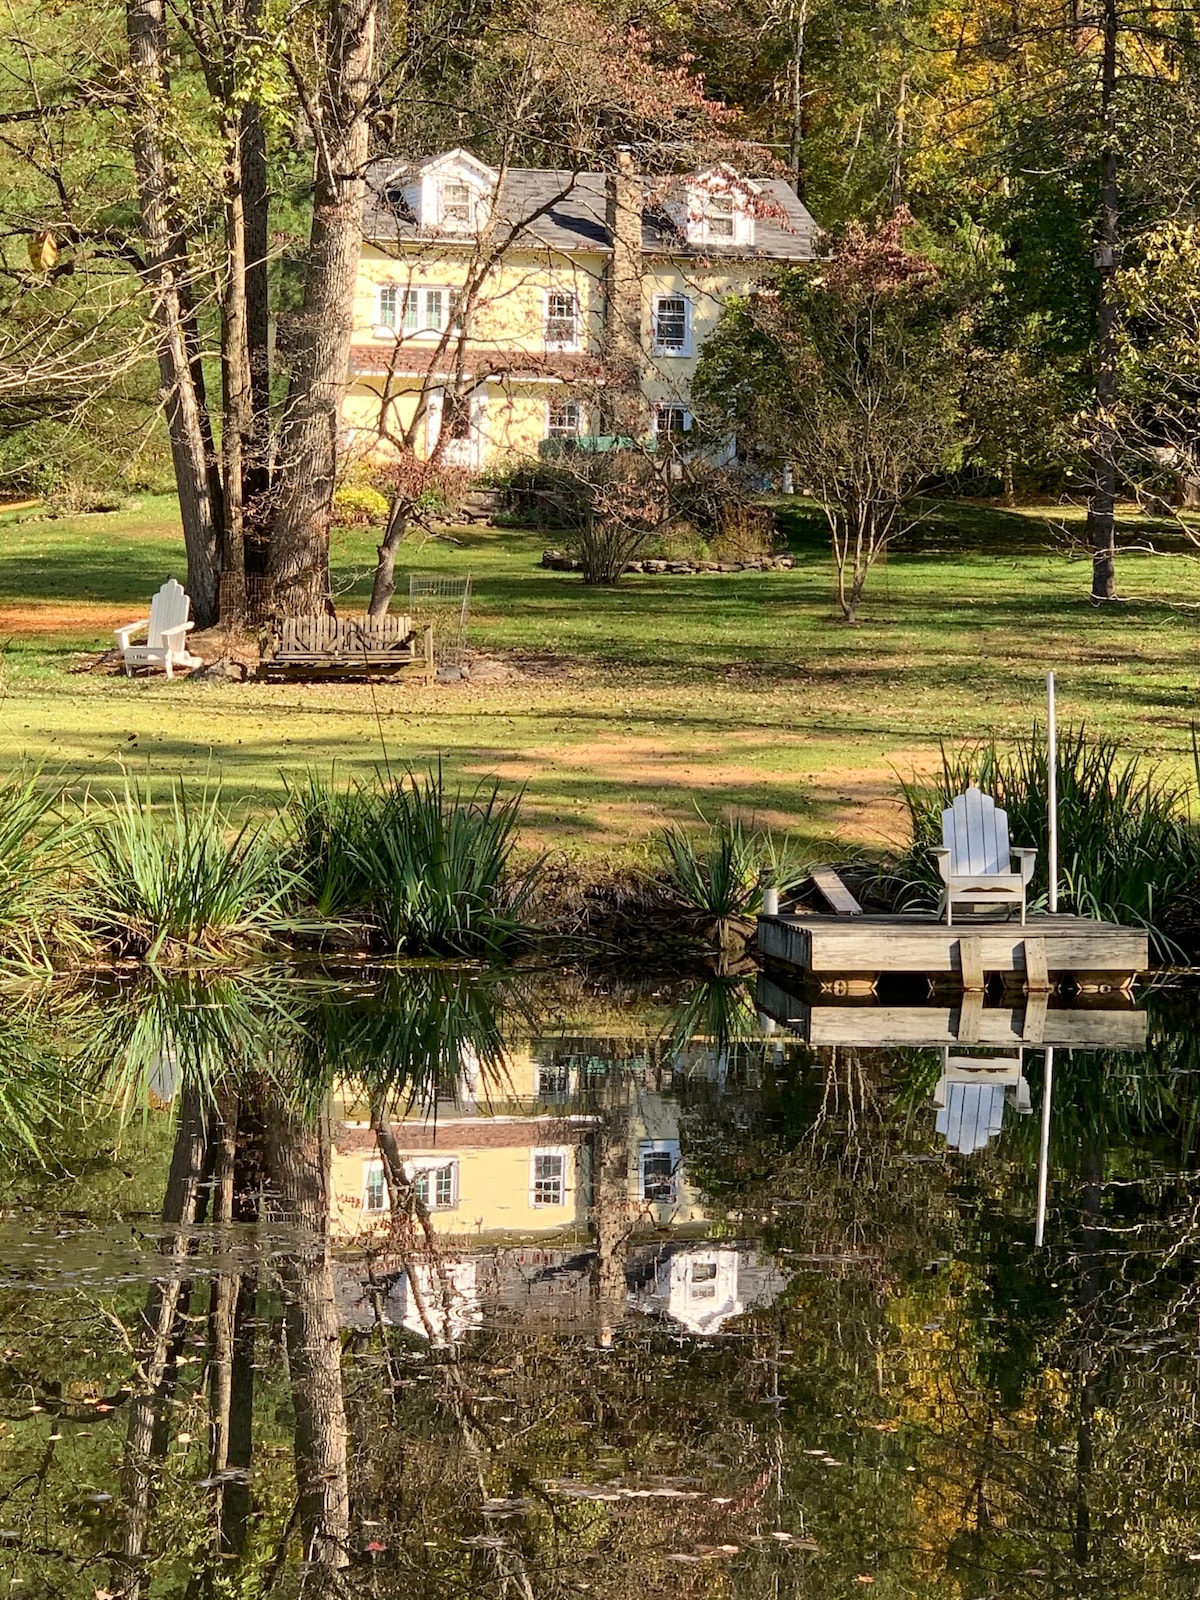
x=560 y=561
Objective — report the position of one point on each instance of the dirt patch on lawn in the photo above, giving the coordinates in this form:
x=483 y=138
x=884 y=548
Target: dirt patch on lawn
x=55 y=616
x=864 y=802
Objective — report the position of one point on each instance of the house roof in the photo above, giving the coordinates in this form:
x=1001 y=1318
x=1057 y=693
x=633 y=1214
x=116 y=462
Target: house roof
x=564 y=211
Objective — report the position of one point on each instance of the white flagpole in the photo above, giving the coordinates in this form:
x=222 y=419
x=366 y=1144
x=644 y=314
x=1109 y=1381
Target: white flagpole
x=1052 y=790
x=1044 y=1148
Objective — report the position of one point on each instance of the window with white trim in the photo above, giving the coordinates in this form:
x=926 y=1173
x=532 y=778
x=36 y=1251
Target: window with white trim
x=457 y=204
x=658 y=1168
x=413 y=310
x=548 y=1178
x=435 y=1184
x=564 y=419
x=719 y=218
x=375 y=1195
x=553 y=1080
x=672 y=325
x=702 y=1280
x=562 y=320
x=671 y=419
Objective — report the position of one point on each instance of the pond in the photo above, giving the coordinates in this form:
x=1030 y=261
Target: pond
x=433 y=1282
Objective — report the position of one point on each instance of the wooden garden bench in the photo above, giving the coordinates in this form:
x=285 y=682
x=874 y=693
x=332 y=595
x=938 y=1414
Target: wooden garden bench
x=346 y=646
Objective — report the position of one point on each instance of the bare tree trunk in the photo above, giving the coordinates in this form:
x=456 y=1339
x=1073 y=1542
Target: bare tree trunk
x=299 y=552
x=166 y=1305
x=1101 y=505
x=256 y=465
x=238 y=426
x=384 y=586
x=298 y=1196
x=796 y=141
x=167 y=269
x=612 y=1221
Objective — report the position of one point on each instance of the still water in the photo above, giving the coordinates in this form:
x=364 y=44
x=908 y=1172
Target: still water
x=446 y=1284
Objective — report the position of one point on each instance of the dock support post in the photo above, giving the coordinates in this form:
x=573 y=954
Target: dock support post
x=970 y=961
x=1037 y=978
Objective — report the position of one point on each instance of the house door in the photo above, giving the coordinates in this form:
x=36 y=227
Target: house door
x=460 y=422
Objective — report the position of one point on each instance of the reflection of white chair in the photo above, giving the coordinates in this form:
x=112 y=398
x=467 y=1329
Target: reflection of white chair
x=975 y=861
x=167 y=628
x=971 y=1095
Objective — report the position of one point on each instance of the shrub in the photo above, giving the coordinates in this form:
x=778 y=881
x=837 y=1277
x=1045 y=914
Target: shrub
x=182 y=878
x=718 y=876
x=357 y=505
x=34 y=854
x=431 y=870
x=1127 y=848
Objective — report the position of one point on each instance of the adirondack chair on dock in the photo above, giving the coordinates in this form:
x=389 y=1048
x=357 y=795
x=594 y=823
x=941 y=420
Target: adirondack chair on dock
x=975 y=860
x=347 y=646
x=970 y=1097
x=167 y=628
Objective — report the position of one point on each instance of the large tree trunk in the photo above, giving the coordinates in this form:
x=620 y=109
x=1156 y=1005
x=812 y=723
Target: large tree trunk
x=1101 y=506
x=256 y=463
x=167 y=272
x=298 y=1200
x=384 y=585
x=307 y=458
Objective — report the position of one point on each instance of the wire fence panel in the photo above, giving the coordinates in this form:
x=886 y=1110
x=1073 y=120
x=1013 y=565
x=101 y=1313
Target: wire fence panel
x=446 y=604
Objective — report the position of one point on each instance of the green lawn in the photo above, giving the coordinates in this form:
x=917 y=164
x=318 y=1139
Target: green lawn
x=630 y=707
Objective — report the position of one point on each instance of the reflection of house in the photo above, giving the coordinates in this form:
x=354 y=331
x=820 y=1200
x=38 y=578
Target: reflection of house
x=698 y=1284
x=971 y=1096
x=515 y=1155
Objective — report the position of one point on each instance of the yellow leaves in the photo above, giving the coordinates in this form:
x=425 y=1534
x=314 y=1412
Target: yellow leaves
x=43 y=251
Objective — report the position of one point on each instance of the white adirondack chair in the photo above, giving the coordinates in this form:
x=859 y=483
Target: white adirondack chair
x=971 y=1094
x=167 y=628
x=975 y=861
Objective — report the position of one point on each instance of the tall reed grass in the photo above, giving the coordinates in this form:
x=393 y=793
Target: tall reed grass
x=431 y=870
x=36 y=845
x=1129 y=848
x=183 y=877
x=717 y=876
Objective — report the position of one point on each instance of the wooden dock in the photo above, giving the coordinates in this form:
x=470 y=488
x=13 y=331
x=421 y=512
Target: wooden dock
x=820 y=1020
x=1043 y=953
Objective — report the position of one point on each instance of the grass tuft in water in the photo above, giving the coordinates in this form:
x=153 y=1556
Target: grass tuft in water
x=1129 y=850
x=182 y=877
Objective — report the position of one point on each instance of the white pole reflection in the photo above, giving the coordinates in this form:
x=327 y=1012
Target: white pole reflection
x=1044 y=1150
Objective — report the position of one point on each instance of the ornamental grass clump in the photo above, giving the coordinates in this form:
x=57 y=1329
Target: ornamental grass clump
x=1128 y=848
x=716 y=876
x=37 y=845
x=424 y=869
x=182 y=878
x=438 y=870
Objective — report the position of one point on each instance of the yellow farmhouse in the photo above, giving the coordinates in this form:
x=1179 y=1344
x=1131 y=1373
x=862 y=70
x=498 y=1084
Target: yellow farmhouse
x=496 y=310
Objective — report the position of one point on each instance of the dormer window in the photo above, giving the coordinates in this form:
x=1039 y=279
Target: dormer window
x=457 y=204
x=719 y=218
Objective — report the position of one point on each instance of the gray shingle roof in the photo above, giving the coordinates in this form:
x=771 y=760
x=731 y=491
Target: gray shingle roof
x=564 y=211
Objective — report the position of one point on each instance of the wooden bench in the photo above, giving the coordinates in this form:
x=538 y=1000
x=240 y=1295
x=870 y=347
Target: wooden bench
x=346 y=646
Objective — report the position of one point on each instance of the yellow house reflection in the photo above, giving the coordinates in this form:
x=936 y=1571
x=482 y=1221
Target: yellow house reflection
x=514 y=1153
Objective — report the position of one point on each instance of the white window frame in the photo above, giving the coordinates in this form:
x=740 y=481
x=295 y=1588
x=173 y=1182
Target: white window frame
x=407 y=295
x=373 y=1169
x=421 y=1165
x=456 y=224
x=563 y=1152
x=572 y=344
x=659 y=1147
x=731 y=214
x=551 y=402
x=658 y=347
x=662 y=410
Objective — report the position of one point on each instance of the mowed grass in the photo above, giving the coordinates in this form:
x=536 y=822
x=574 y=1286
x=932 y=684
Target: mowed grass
x=624 y=709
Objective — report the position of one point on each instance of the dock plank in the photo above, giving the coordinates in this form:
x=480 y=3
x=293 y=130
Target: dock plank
x=828 y=883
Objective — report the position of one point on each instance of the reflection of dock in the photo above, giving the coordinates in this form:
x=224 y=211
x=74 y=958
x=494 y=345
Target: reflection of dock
x=1045 y=948
x=822 y=1021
